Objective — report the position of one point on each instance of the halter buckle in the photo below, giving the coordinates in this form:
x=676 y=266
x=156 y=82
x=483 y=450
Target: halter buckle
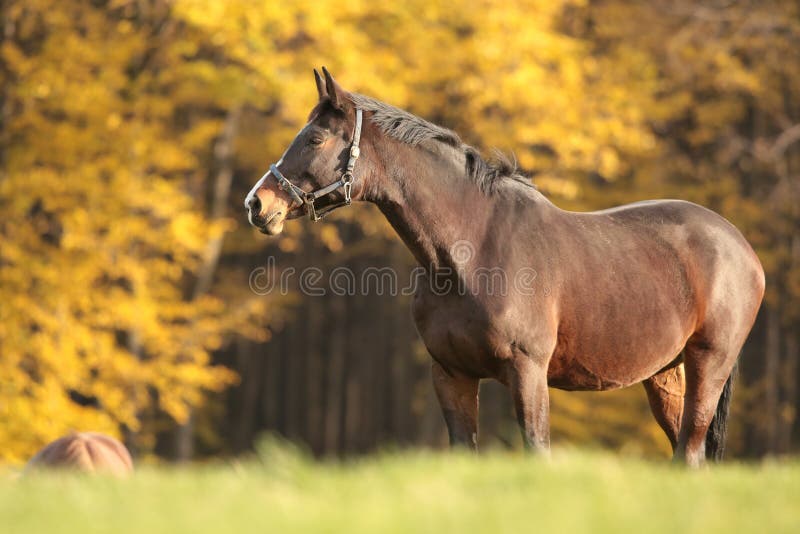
x=347 y=184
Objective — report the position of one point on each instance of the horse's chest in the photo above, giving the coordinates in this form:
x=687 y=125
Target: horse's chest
x=460 y=334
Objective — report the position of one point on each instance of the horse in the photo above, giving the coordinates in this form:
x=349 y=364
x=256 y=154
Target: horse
x=662 y=292
x=87 y=452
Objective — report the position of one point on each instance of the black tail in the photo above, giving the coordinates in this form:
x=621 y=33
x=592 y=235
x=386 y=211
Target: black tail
x=718 y=429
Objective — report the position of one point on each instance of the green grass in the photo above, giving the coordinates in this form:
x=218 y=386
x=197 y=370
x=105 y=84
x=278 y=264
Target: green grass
x=412 y=493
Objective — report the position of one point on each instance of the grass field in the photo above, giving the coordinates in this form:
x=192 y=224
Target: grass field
x=282 y=491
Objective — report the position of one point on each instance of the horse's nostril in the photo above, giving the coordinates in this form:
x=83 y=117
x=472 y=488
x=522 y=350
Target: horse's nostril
x=254 y=204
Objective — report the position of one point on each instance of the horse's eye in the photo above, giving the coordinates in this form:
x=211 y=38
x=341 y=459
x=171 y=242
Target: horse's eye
x=316 y=140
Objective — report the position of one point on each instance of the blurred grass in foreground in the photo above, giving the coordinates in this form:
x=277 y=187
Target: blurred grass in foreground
x=281 y=490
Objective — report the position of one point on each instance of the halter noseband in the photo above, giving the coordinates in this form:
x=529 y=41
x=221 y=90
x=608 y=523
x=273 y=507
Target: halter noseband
x=301 y=198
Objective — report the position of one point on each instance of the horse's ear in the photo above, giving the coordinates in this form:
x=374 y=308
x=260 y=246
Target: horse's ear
x=321 y=91
x=335 y=93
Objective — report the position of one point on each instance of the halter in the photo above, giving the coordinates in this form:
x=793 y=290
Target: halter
x=301 y=198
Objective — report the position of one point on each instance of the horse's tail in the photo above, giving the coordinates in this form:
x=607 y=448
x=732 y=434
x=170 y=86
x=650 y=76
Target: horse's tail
x=718 y=429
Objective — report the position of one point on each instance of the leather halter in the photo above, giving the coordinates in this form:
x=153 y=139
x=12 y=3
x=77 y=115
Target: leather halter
x=301 y=198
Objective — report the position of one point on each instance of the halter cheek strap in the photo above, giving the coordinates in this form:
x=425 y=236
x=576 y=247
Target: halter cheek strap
x=301 y=198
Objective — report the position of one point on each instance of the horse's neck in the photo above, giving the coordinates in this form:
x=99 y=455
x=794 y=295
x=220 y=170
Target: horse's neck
x=429 y=202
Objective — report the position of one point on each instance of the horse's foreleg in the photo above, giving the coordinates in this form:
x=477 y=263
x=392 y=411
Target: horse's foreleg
x=528 y=384
x=458 y=397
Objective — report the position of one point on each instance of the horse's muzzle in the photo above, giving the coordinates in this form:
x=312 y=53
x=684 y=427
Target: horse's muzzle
x=271 y=224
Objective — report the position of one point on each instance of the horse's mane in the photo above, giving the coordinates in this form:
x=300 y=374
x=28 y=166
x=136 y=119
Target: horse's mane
x=488 y=173
x=412 y=130
x=402 y=125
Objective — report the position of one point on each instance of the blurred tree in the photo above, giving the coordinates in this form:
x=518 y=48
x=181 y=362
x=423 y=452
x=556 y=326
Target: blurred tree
x=103 y=228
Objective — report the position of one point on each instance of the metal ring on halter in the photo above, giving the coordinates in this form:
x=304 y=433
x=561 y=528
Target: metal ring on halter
x=348 y=186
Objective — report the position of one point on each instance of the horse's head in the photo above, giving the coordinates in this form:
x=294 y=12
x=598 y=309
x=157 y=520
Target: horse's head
x=316 y=173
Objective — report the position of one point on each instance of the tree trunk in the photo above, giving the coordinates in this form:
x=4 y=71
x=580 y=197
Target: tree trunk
x=789 y=404
x=223 y=155
x=771 y=379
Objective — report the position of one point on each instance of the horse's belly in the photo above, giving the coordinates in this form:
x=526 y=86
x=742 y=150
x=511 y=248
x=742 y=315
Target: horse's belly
x=596 y=367
x=574 y=375
x=615 y=336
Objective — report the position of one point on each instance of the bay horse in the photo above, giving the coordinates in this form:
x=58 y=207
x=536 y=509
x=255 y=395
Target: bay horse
x=662 y=292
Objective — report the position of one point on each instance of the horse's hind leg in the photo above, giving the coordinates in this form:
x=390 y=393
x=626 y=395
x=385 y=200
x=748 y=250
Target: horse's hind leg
x=665 y=393
x=708 y=364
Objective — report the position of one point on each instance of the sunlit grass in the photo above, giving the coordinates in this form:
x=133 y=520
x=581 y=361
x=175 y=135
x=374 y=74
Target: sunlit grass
x=281 y=491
